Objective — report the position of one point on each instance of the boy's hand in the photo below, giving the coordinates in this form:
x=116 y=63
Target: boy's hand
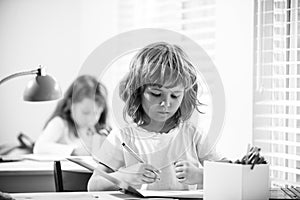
x=188 y=173
x=138 y=174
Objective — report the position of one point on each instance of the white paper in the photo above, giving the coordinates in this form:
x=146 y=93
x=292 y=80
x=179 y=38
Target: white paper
x=172 y=193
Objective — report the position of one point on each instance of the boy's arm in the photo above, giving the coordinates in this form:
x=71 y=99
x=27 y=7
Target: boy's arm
x=98 y=183
x=214 y=155
x=135 y=174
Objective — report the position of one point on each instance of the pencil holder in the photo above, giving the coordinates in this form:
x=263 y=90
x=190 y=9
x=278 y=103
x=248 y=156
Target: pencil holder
x=235 y=181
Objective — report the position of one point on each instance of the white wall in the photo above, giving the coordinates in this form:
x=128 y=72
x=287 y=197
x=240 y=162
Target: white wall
x=56 y=33
x=98 y=22
x=234 y=63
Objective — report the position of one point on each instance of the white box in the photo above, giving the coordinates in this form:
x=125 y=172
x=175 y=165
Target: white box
x=235 y=181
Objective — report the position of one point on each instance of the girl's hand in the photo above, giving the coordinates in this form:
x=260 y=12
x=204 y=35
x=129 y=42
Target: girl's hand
x=138 y=174
x=188 y=173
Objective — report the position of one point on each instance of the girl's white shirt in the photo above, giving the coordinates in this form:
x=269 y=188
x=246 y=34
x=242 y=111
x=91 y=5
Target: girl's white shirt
x=56 y=139
x=158 y=149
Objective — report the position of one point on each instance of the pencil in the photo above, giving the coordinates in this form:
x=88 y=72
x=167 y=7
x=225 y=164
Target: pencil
x=255 y=161
x=137 y=157
x=247 y=154
x=133 y=153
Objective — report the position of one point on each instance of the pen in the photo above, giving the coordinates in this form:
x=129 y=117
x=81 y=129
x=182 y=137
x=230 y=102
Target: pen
x=137 y=157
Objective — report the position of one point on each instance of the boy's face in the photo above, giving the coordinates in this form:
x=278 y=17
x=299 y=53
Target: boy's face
x=161 y=103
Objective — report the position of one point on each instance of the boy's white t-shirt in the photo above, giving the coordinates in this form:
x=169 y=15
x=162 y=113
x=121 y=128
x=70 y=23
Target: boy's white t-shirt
x=158 y=149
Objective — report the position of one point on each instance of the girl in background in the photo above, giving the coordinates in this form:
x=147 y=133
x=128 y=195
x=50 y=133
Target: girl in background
x=160 y=95
x=78 y=124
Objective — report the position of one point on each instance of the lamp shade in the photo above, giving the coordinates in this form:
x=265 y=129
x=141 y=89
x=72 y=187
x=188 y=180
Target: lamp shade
x=42 y=88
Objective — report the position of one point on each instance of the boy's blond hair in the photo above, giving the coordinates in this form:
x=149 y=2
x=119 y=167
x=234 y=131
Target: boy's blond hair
x=159 y=64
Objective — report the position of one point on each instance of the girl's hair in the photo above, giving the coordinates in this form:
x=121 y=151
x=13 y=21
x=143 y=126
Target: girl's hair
x=84 y=86
x=159 y=64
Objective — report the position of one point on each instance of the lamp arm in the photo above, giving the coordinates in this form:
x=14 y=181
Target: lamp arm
x=36 y=71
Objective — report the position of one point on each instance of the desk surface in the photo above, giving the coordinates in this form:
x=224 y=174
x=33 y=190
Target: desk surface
x=71 y=195
x=108 y=195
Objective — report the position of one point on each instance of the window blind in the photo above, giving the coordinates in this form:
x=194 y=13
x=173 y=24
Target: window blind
x=276 y=108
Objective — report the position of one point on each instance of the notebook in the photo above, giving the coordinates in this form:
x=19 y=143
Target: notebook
x=128 y=189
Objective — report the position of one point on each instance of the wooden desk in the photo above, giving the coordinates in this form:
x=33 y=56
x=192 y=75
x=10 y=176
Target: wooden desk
x=33 y=176
x=112 y=195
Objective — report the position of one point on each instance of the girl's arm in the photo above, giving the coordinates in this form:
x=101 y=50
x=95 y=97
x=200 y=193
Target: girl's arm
x=96 y=143
x=48 y=141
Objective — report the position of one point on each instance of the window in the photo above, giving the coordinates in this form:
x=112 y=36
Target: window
x=276 y=110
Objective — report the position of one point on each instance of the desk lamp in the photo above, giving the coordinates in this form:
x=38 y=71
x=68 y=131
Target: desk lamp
x=42 y=88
